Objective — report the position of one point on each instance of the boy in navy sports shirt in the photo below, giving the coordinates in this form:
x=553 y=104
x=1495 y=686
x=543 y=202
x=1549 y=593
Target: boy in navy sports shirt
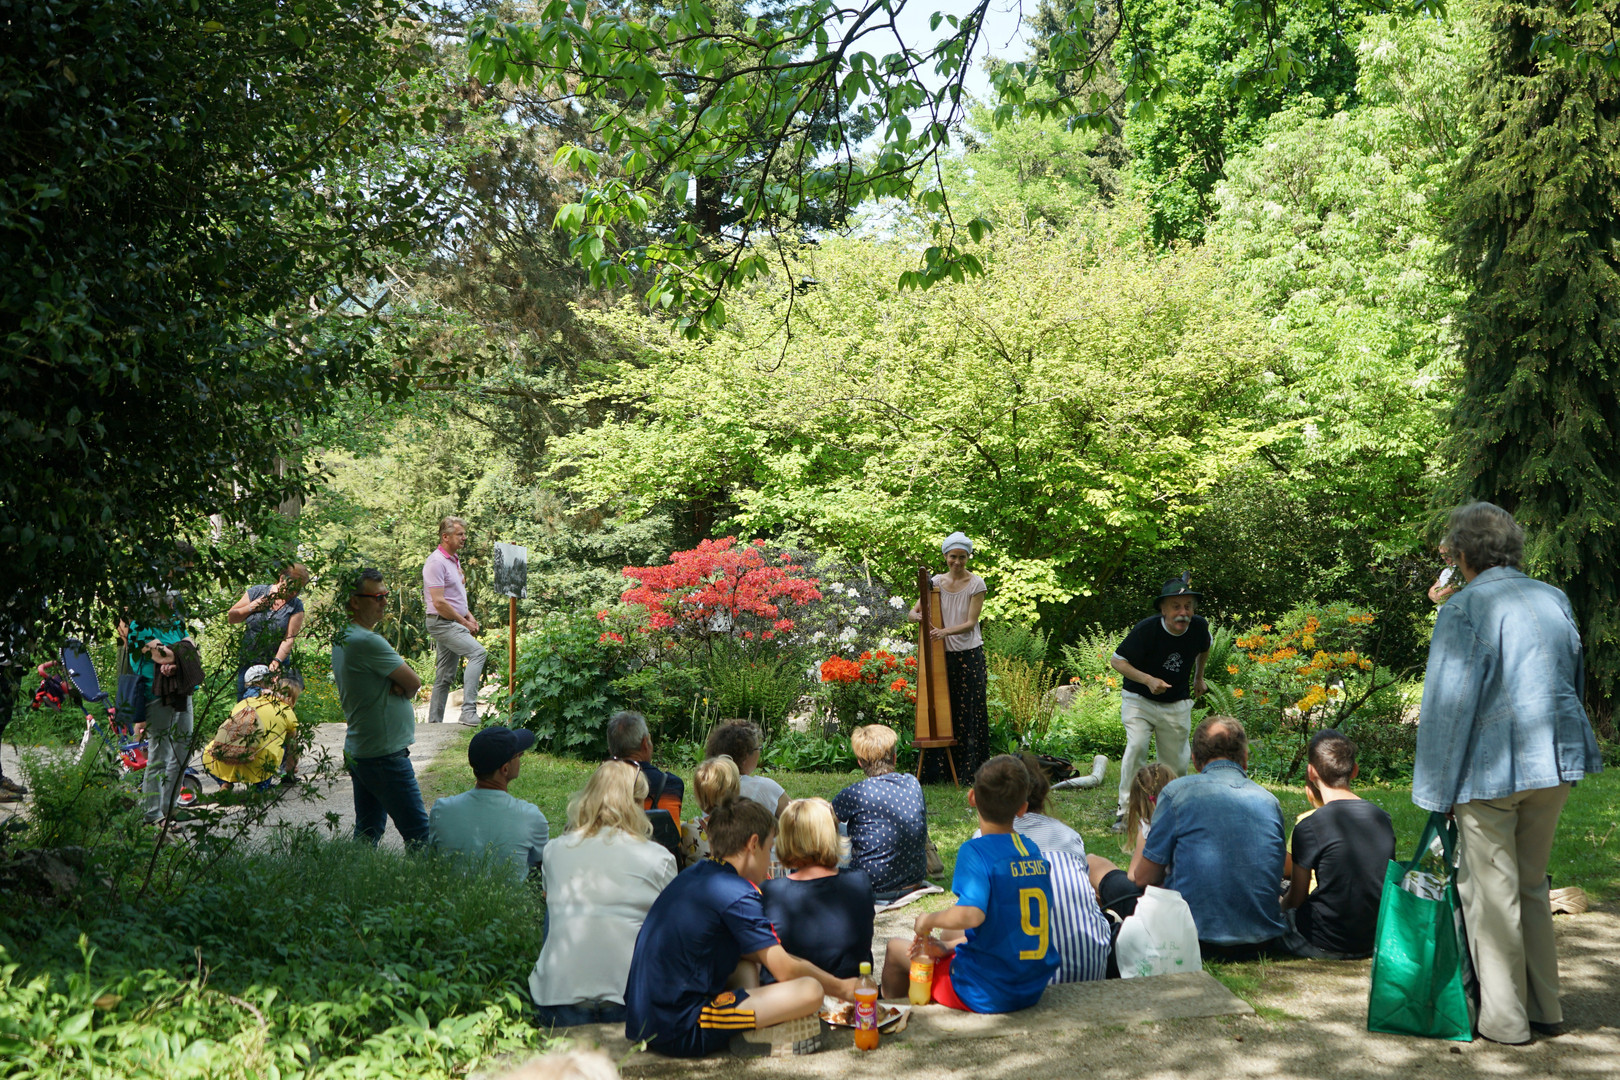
x=997 y=954
x=694 y=978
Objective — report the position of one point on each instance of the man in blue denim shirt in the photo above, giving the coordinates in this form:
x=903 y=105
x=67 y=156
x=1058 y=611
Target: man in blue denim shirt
x=1502 y=737
x=1217 y=839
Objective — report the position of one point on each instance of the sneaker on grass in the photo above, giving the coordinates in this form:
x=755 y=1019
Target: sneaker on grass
x=801 y=1036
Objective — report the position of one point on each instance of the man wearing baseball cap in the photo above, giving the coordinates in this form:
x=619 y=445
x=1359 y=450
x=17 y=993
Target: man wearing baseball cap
x=488 y=819
x=1162 y=663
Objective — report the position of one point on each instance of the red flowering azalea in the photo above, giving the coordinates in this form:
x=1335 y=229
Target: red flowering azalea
x=783 y=625
x=611 y=636
x=718 y=577
x=900 y=685
x=836 y=669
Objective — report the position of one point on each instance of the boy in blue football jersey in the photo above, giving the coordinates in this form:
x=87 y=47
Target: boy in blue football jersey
x=997 y=954
x=694 y=978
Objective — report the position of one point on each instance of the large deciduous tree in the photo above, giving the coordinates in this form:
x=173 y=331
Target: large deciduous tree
x=1537 y=237
x=729 y=109
x=196 y=203
x=1067 y=410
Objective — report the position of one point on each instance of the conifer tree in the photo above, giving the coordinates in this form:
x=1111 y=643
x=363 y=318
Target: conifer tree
x=1534 y=235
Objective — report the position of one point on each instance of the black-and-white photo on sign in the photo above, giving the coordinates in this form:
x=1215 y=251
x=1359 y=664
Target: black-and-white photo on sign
x=512 y=570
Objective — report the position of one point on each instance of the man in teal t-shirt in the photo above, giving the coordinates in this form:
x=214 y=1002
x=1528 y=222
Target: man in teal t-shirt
x=489 y=820
x=375 y=686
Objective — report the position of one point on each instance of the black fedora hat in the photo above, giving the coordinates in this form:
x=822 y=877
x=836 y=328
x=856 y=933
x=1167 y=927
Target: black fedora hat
x=1181 y=586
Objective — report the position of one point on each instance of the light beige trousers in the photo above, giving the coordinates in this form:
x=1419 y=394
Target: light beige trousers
x=1502 y=876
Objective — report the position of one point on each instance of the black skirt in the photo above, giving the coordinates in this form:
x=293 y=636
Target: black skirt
x=966 y=678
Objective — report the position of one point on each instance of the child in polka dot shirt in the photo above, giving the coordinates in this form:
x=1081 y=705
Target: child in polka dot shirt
x=886 y=819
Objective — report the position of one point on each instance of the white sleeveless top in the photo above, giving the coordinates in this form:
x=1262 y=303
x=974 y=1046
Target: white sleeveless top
x=953 y=609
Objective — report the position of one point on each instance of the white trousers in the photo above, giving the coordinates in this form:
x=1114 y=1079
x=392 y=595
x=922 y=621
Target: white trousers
x=1168 y=723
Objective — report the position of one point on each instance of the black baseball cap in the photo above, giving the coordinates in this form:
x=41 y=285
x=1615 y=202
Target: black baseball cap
x=495 y=746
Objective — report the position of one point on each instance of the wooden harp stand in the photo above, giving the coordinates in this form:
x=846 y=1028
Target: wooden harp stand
x=933 y=690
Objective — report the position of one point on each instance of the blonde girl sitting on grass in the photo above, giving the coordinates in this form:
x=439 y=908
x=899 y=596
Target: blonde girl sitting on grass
x=716 y=781
x=1116 y=892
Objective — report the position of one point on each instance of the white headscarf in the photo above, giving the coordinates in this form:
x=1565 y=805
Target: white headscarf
x=957 y=540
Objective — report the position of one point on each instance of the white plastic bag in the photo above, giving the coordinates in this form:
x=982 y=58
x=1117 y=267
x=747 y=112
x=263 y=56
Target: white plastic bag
x=1160 y=938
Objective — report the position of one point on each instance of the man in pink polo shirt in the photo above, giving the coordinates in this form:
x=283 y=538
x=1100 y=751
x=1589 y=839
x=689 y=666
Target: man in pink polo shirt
x=444 y=591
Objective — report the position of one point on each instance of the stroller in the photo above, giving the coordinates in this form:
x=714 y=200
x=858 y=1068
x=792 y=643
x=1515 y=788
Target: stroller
x=117 y=735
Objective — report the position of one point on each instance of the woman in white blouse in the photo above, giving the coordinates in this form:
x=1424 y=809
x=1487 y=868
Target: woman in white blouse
x=961 y=601
x=601 y=876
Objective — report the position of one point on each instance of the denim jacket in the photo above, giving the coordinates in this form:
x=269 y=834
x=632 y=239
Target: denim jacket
x=1502 y=702
x=1220 y=838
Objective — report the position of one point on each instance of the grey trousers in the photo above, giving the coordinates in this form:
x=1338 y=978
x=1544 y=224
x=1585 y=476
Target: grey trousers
x=1502 y=878
x=168 y=749
x=455 y=643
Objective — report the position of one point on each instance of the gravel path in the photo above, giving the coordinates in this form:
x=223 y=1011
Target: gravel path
x=334 y=796
x=1312 y=1024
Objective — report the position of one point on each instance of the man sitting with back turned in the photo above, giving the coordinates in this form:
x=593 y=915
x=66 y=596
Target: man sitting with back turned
x=1217 y=839
x=628 y=740
x=489 y=818
x=1347 y=842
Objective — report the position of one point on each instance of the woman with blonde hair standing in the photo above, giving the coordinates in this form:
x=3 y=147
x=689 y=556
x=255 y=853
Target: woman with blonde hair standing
x=601 y=876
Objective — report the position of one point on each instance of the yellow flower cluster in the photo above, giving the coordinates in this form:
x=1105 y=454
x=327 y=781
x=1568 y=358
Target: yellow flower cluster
x=1314 y=696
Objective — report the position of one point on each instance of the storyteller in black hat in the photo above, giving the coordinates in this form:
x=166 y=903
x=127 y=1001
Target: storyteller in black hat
x=1162 y=663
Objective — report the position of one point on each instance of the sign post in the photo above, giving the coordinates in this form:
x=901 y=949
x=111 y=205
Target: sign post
x=512 y=579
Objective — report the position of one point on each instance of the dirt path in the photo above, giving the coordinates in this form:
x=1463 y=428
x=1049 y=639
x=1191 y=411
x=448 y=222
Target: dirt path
x=1311 y=1023
x=334 y=796
x=337 y=795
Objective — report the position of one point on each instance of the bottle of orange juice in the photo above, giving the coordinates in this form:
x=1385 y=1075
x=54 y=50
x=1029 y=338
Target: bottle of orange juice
x=922 y=980
x=866 y=1019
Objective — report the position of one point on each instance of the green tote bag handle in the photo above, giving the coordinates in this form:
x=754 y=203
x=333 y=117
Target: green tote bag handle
x=1438 y=825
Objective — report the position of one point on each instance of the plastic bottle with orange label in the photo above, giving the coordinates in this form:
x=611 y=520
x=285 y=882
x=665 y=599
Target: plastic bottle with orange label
x=922 y=979
x=866 y=1018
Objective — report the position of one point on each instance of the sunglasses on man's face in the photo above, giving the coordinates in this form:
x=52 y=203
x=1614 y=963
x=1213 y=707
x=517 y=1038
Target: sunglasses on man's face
x=383 y=595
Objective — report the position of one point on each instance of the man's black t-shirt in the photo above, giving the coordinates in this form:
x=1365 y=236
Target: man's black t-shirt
x=1153 y=650
x=1349 y=843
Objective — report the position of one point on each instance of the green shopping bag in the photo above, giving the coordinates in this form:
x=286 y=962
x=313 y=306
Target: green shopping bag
x=1420 y=965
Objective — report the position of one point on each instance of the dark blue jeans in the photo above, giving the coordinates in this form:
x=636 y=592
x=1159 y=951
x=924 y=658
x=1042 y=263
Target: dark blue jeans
x=385 y=787
x=585 y=1012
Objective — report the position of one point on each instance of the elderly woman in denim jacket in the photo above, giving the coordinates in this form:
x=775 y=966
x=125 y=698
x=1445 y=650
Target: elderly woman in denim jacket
x=1502 y=737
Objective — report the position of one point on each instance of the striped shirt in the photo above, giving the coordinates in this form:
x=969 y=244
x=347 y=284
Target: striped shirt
x=1080 y=930
x=1049 y=835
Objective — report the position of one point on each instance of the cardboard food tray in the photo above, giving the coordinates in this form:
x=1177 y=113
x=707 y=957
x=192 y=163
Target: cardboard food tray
x=888 y=1020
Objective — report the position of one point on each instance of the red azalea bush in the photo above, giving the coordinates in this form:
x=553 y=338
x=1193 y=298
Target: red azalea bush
x=721 y=589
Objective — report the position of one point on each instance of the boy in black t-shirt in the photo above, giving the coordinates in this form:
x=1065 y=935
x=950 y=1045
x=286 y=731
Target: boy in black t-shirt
x=1162 y=664
x=1348 y=842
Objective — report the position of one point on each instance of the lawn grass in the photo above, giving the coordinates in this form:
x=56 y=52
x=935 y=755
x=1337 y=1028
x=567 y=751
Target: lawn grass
x=1586 y=852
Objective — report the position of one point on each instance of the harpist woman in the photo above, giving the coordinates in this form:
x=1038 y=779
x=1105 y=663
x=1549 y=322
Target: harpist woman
x=961 y=600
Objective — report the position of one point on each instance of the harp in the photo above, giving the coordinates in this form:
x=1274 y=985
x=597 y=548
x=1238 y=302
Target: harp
x=933 y=691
